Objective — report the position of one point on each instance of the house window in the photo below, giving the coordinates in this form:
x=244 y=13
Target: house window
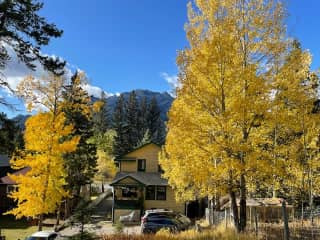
x=117 y=164
x=11 y=188
x=126 y=193
x=161 y=193
x=141 y=165
x=150 y=193
x=156 y=193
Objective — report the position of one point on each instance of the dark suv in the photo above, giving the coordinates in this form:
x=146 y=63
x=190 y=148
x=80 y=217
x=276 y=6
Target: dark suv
x=154 y=220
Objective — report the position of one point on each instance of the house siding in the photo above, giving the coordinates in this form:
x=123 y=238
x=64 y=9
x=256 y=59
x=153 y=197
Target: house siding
x=129 y=166
x=128 y=181
x=169 y=203
x=149 y=152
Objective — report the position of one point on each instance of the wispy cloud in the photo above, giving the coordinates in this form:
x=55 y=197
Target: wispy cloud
x=15 y=71
x=94 y=90
x=173 y=82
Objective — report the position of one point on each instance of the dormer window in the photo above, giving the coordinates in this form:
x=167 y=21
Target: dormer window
x=141 y=165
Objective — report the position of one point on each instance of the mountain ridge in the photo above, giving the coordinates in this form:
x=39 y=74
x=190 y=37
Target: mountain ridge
x=164 y=100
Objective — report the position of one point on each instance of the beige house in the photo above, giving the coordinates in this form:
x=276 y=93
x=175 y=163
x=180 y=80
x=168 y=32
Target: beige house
x=138 y=185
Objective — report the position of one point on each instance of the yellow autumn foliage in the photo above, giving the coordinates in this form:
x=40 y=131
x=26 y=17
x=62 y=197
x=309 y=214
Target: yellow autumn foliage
x=214 y=123
x=41 y=189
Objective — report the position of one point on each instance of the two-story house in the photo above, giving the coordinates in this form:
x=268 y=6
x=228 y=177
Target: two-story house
x=138 y=185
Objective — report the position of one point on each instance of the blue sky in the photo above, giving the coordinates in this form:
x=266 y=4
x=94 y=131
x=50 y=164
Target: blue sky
x=127 y=44
x=132 y=44
x=121 y=44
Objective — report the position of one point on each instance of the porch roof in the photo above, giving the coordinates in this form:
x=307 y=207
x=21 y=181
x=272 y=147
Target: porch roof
x=146 y=178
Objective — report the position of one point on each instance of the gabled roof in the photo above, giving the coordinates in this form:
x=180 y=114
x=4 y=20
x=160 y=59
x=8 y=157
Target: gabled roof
x=9 y=181
x=123 y=157
x=145 y=178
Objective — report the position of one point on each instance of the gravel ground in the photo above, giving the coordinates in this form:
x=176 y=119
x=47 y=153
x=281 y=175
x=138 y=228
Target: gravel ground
x=99 y=229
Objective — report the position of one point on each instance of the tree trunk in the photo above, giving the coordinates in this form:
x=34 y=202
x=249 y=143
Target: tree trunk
x=58 y=218
x=243 y=203
x=234 y=209
x=40 y=223
x=285 y=221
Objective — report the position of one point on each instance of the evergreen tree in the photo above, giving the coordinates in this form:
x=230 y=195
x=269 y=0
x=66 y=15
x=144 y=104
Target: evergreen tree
x=101 y=115
x=10 y=135
x=132 y=120
x=80 y=164
x=24 y=32
x=142 y=118
x=154 y=122
x=121 y=142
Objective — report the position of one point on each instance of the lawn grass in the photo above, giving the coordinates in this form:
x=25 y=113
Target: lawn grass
x=17 y=229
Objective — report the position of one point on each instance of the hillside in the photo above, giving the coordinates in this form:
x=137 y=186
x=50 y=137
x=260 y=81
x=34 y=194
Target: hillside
x=164 y=102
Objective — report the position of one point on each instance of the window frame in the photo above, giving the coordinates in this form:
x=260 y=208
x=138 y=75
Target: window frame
x=164 y=192
x=141 y=165
x=11 y=188
x=154 y=193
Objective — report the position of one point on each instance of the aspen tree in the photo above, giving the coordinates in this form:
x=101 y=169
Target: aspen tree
x=42 y=188
x=214 y=123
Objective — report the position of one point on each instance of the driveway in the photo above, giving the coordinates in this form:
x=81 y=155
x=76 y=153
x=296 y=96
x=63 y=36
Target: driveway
x=99 y=228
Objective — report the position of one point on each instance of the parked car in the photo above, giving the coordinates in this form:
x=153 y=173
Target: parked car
x=154 y=220
x=44 y=235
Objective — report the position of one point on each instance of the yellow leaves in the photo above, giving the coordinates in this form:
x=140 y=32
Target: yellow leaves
x=106 y=166
x=42 y=188
x=222 y=119
x=97 y=106
x=41 y=93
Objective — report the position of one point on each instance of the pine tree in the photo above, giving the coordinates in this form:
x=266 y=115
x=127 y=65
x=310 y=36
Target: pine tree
x=80 y=164
x=142 y=117
x=154 y=122
x=10 y=135
x=25 y=32
x=101 y=115
x=121 y=140
x=132 y=120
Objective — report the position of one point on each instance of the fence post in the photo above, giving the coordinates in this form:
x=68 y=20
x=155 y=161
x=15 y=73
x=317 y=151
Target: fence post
x=285 y=221
x=225 y=217
x=256 y=221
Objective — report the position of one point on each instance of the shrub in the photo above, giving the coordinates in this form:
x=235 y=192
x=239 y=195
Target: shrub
x=118 y=228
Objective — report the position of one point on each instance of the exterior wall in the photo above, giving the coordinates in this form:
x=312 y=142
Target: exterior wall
x=128 y=166
x=150 y=153
x=122 y=212
x=128 y=181
x=170 y=203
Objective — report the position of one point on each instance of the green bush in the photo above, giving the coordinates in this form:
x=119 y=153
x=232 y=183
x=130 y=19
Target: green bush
x=118 y=227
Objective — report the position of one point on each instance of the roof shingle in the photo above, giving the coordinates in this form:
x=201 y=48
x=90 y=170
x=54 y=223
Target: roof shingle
x=146 y=178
